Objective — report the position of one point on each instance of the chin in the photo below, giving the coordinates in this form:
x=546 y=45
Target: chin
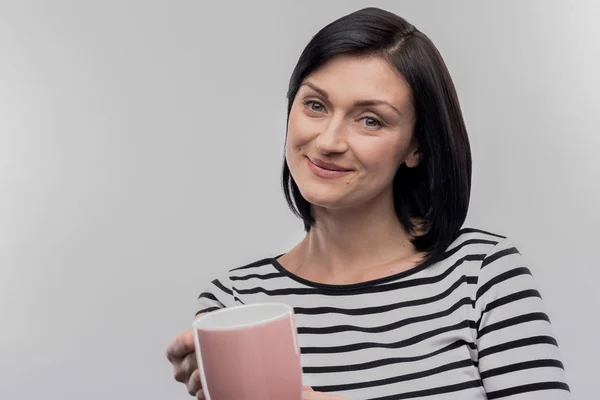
x=326 y=197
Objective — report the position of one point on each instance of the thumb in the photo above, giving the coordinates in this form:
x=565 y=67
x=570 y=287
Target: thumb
x=308 y=388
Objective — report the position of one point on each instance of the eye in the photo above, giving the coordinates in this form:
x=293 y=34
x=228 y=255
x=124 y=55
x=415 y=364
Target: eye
x=315 y=106
x=371 y=122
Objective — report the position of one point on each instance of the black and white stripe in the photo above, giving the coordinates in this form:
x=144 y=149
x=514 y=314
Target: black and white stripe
x=471 y=326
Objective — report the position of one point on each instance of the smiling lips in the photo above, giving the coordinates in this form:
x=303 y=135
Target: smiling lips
x=326 y=170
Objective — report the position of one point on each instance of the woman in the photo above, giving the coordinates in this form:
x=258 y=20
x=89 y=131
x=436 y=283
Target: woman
x=393 y=299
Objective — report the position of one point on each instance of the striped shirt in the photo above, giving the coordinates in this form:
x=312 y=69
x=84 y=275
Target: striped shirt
x=471 y=326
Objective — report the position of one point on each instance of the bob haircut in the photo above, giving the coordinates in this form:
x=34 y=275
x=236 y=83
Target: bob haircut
x=431 y=200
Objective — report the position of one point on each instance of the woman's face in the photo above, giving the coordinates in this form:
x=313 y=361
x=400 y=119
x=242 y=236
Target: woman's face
x=350 y=128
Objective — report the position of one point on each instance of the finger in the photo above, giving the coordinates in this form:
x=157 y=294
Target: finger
x=181 y=346
x=200 y=395
x=306 y=387
x=193 y=384
x=185 y=367
x=312 y=395
x=189 y=364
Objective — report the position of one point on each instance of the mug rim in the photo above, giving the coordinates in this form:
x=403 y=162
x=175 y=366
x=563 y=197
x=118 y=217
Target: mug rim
x=286 y=310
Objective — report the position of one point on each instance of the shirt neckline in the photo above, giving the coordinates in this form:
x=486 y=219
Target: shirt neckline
x=347 y=287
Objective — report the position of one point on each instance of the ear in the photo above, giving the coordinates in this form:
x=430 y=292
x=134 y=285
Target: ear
x=414 y=157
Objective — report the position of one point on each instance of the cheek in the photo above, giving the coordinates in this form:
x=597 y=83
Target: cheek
x=298 y=142
x=380 y=157
x=380 y=161
x=296 y=126
x=296 y=136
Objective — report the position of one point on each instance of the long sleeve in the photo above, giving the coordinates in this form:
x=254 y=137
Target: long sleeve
x=518 y=354
x=218 y=294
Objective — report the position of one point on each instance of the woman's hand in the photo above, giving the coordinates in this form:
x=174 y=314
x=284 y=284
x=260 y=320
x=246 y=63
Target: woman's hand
x=182 y=354
x=310 y=394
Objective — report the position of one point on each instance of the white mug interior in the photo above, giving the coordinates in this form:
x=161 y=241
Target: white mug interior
x=243 y=316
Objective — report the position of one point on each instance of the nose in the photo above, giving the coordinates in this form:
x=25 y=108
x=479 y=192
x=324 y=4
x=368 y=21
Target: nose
x=333 y=139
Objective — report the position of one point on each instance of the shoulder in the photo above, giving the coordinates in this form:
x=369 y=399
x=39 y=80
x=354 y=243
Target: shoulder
x=471 y=241
x=486 y=247
x=226 y=277
x=253 y=269
x=221 y=291
x=497 y=245
x=478 y=234
x=499 y=259
x=253 y=265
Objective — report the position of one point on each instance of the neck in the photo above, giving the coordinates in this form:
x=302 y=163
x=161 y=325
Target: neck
x=353 y=240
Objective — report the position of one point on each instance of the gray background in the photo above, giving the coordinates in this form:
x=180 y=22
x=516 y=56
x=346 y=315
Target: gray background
x=140 y=148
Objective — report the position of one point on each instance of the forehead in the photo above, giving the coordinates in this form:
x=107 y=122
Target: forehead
x=352 y=78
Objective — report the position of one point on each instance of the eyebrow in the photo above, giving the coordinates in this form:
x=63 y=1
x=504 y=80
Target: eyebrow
x=358 y=103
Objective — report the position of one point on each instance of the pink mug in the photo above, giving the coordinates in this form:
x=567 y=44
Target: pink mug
x=249 y=352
